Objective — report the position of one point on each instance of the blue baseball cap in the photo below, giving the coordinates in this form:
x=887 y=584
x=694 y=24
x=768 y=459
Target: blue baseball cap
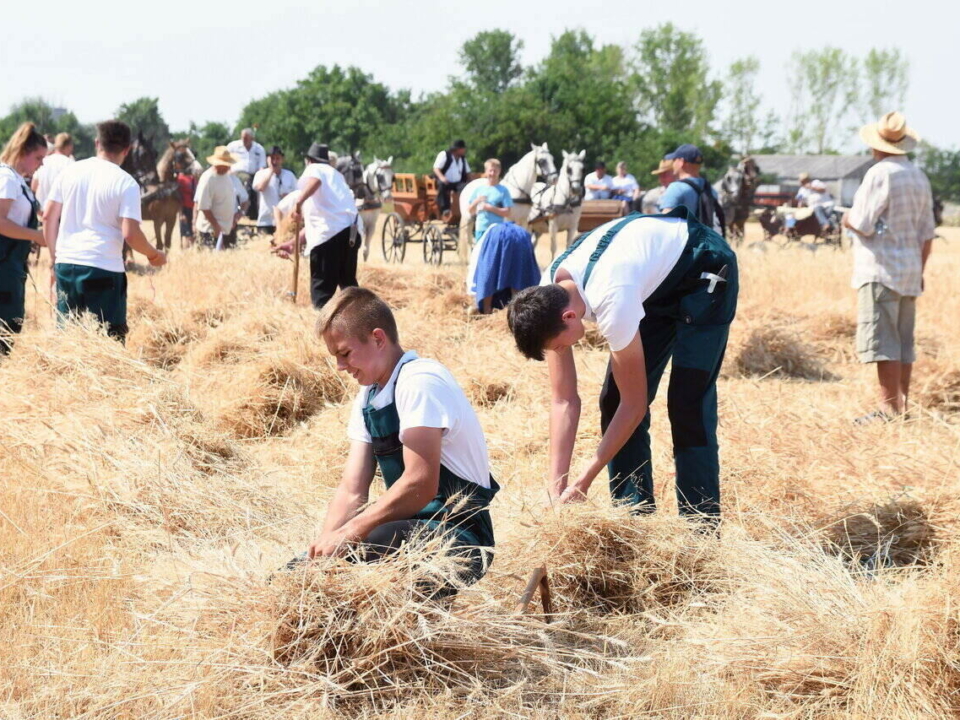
x=688 y=153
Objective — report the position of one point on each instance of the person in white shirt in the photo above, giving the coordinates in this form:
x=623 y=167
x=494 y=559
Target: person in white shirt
x=94 y=207
x=598 y=184
x=625 y=186
x=250 y=157
x=821 y=202
x=413 y=423
x=452 y=171
x=55 y=162
x=219 y=202
x=656 y=286
x=272 y=184
x=329 y=213
x=804 y=192
x=19 y=210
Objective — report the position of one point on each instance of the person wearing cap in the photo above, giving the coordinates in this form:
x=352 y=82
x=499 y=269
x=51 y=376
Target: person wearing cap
x=329 y=213
x=452 y=171
x=689 y=186
x=93 y=208
x=598 y=184
x=657 y=287
x=272 y=184
x=892 y=230
x=218 y=201
x=665 y=176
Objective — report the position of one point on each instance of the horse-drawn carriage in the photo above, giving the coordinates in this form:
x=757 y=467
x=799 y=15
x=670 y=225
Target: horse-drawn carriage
x=416 y=218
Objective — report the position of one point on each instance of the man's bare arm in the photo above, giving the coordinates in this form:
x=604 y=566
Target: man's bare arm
x=564 y=417
x=135 y=238
x=51 y=228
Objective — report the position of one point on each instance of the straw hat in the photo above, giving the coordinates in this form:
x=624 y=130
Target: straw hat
x=890 y=135
x=222 y=156
x=665 y=166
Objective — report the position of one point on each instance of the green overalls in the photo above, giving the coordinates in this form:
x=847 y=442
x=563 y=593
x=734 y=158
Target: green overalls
x=687 y=317
x=460 y=506
x=13 y=277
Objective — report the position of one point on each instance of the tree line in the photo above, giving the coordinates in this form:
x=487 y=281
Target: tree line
x=619 y=103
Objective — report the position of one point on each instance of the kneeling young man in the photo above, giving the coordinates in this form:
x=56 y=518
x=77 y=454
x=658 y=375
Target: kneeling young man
x=413 y=422
x=657 y=286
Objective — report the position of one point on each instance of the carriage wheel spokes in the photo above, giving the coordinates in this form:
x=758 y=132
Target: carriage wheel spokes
x=393 y=238
x=432 y=245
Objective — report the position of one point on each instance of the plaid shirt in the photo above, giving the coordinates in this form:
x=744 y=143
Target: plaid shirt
x=897 y=193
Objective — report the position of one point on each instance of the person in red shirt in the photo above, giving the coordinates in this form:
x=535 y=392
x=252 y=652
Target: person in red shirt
x=188 y=188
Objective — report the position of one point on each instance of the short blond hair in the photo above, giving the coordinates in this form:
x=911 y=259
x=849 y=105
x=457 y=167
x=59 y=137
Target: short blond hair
x=493 y=162
x=62 y=140
x=357 y=312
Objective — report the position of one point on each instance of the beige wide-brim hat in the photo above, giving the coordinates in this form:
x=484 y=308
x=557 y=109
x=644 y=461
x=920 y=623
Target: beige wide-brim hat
x=222 y=156
x=890 y=135
x=665 y=166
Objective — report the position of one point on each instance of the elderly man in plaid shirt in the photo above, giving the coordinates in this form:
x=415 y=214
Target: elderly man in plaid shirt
x=892 y=224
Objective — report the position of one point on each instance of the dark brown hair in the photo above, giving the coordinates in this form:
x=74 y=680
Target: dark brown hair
x=114 y=136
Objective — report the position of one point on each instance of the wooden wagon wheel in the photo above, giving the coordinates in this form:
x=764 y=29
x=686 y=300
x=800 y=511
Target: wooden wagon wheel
x=393 y=238
x=432 y=245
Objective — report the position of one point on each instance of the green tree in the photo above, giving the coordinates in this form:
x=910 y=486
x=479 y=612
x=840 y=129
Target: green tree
x=824 y=88
x=492 y=60
x=942 y=166
x=143 y=115
x=883 y=83
x=742 y=123
x=50 y=121
x=204 y=139
x=670 y=74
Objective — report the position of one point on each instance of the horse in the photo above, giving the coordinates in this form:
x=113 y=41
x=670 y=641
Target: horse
x=519 y=180
x=377 y=188
x=159 y=198
x=557 y=207
x=735 y=192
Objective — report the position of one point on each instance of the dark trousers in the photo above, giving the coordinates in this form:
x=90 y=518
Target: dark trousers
x=100 y=292
x=209 y=240
x=186 y=222
x=691 y=325
x=444 y=190
x=333 y=264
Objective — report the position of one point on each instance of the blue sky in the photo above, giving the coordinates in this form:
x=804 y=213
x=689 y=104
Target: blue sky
x=205 y=61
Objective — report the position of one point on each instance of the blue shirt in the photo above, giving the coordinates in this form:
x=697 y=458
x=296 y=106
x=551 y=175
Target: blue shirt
x=496 y=195
x=679 y=193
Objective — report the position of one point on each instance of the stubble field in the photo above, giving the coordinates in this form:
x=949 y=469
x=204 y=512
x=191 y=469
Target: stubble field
x=149 y=494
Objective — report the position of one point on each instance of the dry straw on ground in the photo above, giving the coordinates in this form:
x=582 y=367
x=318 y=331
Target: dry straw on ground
x=150 y=491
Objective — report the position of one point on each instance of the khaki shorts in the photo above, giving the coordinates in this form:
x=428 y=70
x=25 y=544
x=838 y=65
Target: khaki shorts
x=885 y=322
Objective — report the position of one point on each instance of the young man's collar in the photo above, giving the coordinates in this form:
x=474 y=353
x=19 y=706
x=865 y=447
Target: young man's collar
x=384 y=395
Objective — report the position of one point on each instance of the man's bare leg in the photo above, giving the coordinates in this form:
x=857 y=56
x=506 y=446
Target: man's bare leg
x=906 y=369
x=890 y=377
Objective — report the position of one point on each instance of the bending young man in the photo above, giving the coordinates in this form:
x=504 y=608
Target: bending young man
x=412 y=421
x=657 y=286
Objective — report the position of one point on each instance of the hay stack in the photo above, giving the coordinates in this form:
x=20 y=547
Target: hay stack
x=607 y=560
x=774 y=352
x=897 y=534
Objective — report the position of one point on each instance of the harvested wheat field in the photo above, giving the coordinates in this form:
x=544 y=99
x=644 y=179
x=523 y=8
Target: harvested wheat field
x=151 y=492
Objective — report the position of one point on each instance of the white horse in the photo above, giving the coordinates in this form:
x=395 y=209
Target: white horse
x=519 y=181
x=557 y=207
x=377 y=189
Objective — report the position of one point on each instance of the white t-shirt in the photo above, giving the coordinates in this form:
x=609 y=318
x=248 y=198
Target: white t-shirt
x=278 y=187
x=459 y=169
x=330 y=209
x=632 y=267
x=592 y=179
x=96 y=194
x=218 y=194
x=428 y=396
x=248 y=161
x=12 y=186
x=625 y=185
x=47 y=173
